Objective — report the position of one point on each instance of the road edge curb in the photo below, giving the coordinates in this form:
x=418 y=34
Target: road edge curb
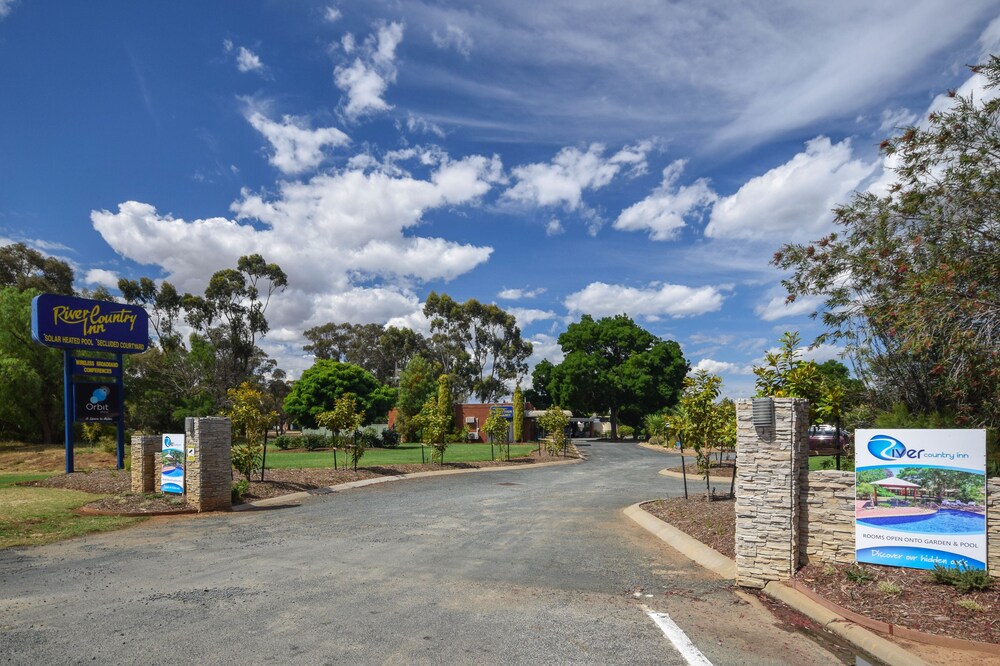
x=714 y=561
x=283 y=500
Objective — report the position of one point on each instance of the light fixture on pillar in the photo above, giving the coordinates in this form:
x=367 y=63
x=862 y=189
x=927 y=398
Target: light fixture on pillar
x=763 y=413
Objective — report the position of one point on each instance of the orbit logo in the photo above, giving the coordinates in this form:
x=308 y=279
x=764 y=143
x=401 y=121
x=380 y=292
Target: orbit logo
x=885 y=447
x=99 y=395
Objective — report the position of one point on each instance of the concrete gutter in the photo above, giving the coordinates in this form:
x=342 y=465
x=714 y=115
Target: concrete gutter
x=714 y=561
x=686 y=545
x=297 y=498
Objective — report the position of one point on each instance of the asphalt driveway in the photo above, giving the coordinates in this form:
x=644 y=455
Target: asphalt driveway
x=503 y=567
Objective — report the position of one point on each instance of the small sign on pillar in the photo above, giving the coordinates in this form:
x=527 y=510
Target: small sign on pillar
x=172 y=458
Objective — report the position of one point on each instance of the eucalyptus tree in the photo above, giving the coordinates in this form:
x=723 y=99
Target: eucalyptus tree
x=494 y=351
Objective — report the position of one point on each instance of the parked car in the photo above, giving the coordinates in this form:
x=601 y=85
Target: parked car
x=823 y=440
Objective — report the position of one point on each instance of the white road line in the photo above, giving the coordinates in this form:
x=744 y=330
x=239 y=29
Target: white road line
x=676 y=635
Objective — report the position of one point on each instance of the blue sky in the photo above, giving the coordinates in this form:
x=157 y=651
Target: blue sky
x=555 y=158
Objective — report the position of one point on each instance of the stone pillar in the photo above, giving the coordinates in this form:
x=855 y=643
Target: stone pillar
x=208 y=463
x=993 y=526
x=144 y=472
x=770 y=462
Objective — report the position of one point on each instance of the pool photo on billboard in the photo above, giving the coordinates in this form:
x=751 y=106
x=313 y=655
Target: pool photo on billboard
x=925 y=500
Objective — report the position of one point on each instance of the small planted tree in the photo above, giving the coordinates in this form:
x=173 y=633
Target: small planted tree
x=435 y=420
x=554 y=421
x=518 y=414
x=496 y=427
x=251 y=417
x=703 y=426
x=342 y=421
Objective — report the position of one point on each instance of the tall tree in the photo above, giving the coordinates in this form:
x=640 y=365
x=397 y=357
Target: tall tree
x=490 y=337
x=31 y=406
x=231 y=317
x=909 y=279
x=381 y=350
x=538 y=395
x=24 y=268
x=320 y=386
x=613 y=365
x=417 y=384
x=163 y=304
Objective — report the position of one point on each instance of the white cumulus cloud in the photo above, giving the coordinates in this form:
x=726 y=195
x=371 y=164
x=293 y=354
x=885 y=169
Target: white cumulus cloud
x=656 y=300
x=663 y=212
x=296 y=147
x=346 y=240
x=367 y=78
x=527 y=316
x=722 y=367
x=102 y=277
x=562 y=181
x=518 y=294
x=776 y=308
x=792 y=201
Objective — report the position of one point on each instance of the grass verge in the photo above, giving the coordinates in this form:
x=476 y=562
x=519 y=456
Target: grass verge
x=405 y=454
x=31 y=516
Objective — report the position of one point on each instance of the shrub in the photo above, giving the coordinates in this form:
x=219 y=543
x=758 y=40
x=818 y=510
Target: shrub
x=888 y=588
x=369 y=437
x=625 y=431
x=108 y=444
x=962 y=578
x=314 y=442
x=240 y=490
x=284 y=442
x=248 y=458
x=858 y=574
x=390 y=439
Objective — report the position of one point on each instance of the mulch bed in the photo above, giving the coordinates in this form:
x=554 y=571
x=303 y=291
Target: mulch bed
x=723 y=471
x=713 y=523
x=920 y=604
x=117 y=483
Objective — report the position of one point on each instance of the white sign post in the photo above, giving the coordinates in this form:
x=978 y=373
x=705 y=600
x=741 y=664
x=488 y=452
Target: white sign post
x=921 y=498
x=172 y=468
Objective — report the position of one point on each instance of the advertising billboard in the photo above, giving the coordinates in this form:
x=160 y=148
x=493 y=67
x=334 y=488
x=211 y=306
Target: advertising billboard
x=921 y=498
x=96 y=401
x=68 y=322
x=172 y=467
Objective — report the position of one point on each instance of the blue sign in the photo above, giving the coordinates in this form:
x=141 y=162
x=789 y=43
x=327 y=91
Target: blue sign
x=68 y=322
x=506 y=411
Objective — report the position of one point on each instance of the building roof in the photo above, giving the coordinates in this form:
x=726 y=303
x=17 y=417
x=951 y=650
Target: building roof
x=895 y=483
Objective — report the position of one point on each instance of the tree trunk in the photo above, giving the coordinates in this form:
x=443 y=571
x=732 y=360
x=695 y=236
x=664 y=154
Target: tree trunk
x=614 y=423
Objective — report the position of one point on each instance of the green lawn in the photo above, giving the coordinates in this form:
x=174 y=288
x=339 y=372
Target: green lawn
x=406 y=453
x=30 y=515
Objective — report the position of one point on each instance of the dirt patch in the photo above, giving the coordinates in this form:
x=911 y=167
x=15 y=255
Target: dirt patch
x=717 y=471
x=16 y=457
x=905 y=597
